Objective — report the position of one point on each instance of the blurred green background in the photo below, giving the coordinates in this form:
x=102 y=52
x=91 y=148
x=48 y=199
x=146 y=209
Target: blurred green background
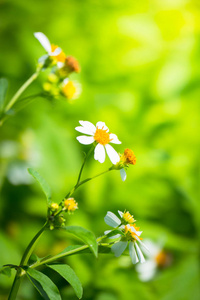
x=140 y=75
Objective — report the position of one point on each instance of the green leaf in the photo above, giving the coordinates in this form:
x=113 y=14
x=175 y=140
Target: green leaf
x=5 y=271
x=47 y=289
x=68 y=274
x=3 y=91
x=85 y=235
x=44 y=185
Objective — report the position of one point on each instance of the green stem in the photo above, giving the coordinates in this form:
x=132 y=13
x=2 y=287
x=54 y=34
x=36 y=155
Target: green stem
x=21 y=90
x=24 y=261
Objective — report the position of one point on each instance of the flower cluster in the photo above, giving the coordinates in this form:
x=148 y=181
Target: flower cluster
x=62 y=66
x=128 y=234
x=56 y=218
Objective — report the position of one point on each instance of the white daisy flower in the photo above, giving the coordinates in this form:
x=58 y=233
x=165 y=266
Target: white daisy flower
x=156 y=258
x=130 y=235
x=52 y=50
x=99 y=134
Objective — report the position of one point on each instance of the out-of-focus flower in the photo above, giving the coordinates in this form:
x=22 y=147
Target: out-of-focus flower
x=54 y=207
x=70 y=89
x=70 y=205
x=54 y=52
x=69 y=66
x=130 y=235
x=100 y=135
x=157 y=258
x=126 y=159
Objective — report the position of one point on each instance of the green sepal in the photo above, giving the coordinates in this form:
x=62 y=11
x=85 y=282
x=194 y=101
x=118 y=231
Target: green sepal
x=85 y=235
x=44 y=185
x=69 y=275
x=47 y=289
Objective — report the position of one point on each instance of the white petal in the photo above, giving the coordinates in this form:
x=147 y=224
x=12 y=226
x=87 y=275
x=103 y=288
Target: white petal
x=143 y=245
x=43 y=58
x=123 y=174
x=102 y=125
x=139 y=253
x=111 y=219
x=99 y=153
x=120 y=213
x=88 y=125
x=146 y=270
x=132 y=253
x=85 y=140
x=56 y=52
x=118 y=248
x=85 y=130
x=107 y=231
x=44 y=41
x=60 y=64
x=114 y=139
x=113 y=155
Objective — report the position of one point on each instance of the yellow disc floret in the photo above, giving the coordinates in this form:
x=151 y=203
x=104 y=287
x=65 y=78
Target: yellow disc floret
x=54 y=206
x=129 y=157
x=69 y=90
x=102 y=137
x=70 y=204
x=60 y=57
x=130 y=233
x=128 y=218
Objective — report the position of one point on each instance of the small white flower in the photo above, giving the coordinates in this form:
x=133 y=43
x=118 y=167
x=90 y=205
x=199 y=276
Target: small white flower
x=44 y=41
x=156 y=257
x=130 y=235
x=99 y=134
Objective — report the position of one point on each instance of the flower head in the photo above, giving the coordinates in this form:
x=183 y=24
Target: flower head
x=54 y=52
x=69 y=89
x=157 y=258
x=54 y=206
x=70 y=205
x=126 y=159
x=101 y=136
x=130 y=235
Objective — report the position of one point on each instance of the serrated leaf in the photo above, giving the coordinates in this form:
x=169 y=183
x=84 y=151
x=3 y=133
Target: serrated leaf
x=68 y=274
x=47 y=289
x=85 y=235
x=44 y=185
x=3 y=91
x=5 y=271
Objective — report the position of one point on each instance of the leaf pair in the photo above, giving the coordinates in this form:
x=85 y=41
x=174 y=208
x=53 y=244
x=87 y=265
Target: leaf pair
x=47 y=289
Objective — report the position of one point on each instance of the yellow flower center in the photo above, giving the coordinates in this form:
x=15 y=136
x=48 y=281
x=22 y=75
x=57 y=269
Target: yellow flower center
x=54 y=206
x=129 y=156
x=69 y=90
x=60 y=57
x=70 y=204
x=102 y=137
x=128 y=217
x=161 y=259
x=131 y=235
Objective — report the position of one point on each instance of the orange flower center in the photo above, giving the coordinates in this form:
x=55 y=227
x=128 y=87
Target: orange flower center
x=102 y=137
x=129 y=156
x=60 y=57
x=161 y=259
x=131 y=235
x=69 y=90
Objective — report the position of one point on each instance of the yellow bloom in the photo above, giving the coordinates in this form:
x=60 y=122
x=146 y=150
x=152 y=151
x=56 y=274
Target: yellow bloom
x=71 y=90
x=70 y=205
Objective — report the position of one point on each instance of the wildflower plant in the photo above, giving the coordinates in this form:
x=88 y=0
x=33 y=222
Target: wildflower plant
x=124 y=232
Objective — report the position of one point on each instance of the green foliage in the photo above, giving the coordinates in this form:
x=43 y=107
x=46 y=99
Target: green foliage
x=84 y=235
x=3 y=91
x=47 y=289
x=5 y=271
x=44 y=185
x=68 y=274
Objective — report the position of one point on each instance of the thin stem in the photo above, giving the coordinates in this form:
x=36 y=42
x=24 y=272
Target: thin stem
x=24 y=261
x=21 y=90
x=81 y=170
